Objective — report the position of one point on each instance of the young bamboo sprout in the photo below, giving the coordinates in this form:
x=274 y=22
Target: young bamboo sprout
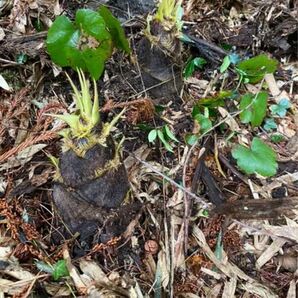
x=90 y=177
x=159 y=52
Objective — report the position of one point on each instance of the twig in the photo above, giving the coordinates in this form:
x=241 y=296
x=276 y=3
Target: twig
x=194 y=196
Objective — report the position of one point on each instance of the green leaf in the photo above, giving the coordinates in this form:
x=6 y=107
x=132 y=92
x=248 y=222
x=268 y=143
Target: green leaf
x=276 y=138
x=281 y=108
x=62 y=37
x=60 y=270
x=254 y=69
x=170 y=134
x=192 y=64
x=199 y=62
x=163 y=140
x=70 y=119
x=152 y=135
x=95 y=58
x=191 y=139
x=115 y=29
x=92 y=23
x=205 y=123
x=42 y=266
x=225 y=64
x=254 y=108
x=215 y=101
x=144 y=127
x=86 y=43
x=260 y=158
x=270 y=124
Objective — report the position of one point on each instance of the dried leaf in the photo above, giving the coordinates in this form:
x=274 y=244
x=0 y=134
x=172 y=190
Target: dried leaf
x=230 y=288
x=22 y=157
x=268 y=254
x=3 y=84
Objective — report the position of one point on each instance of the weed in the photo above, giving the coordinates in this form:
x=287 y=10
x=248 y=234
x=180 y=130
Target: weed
x=87 y=42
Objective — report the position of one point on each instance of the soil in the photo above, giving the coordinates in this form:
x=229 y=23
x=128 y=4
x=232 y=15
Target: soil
x=142 y=227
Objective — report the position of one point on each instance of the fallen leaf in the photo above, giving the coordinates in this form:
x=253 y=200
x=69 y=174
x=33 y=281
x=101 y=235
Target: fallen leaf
x=3 y=83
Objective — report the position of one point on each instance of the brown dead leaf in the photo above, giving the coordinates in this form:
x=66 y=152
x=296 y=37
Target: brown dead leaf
x=271 y=250
x=288 y=261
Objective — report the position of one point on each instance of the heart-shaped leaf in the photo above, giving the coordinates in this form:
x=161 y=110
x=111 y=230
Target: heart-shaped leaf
x=87 y=43
x=260 y=158
x=254 y=108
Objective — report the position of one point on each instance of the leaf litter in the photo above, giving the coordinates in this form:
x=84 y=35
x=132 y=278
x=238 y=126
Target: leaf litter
x=172 y=248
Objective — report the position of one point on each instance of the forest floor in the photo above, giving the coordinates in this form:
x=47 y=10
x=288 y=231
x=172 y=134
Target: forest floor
x=206 y=228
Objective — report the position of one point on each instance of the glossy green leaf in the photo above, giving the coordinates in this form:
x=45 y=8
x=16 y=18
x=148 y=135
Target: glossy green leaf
x=225 y=64
x=254 y=108
x=254 y=69
x=60 y=270
x=152 y=135
x=169 y=134
x=92 y=23
x=163 y=140
x=95 y=58
x=260 y=158
x=62 y=38
x=85 y=44
x=281 y=108
x=115 y=29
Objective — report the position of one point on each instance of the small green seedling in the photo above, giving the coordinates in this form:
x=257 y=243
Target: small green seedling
x=254 y=69
x=270 y=124
x=203 y=121
x=281 y=108
x=228 y=60
x=260 y=158
x=277 y=138
x=192 y=64
x=87 y=42
x=57 y=270
x=165 y=135
x=254 y=108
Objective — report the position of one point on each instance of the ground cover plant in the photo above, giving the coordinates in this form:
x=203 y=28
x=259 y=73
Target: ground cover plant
x=148 y=149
